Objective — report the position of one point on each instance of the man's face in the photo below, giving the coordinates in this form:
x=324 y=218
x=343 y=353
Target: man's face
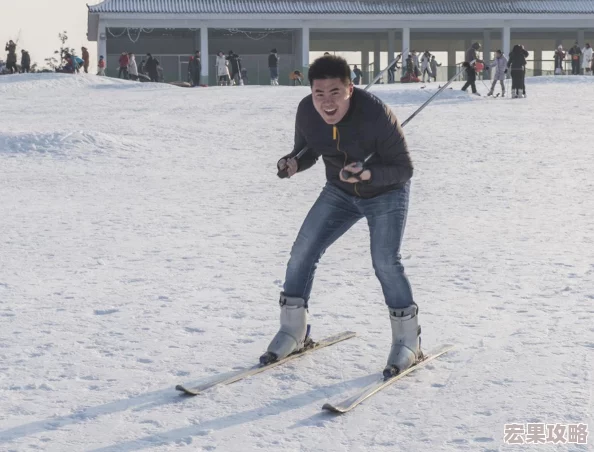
x=331 y=99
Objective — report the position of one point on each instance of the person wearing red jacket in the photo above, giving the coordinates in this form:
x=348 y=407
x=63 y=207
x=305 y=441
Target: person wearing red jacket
x=124 y=62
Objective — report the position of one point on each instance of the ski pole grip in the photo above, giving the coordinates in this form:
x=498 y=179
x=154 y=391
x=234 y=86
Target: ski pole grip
x=346 y=173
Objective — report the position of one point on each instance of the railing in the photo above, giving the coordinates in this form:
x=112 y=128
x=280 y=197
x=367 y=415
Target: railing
x=175 y=68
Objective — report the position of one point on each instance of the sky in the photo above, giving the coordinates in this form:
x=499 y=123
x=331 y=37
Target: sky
x=36 y=24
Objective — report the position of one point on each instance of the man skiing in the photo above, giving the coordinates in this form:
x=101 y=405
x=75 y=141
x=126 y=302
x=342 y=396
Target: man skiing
x=343 y=125
x=470 y=59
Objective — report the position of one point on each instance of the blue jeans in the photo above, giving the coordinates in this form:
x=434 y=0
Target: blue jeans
x=334 y=213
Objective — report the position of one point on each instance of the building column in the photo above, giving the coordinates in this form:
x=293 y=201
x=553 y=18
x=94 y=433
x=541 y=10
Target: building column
x=204 y=55
x=486 y=53
x=505 y=40
x=452 y=68
x=405 y=48
x=377 y=65
x=304 y=47
x=538 y=62
x=102 y=41
x=391 y=45
x=365 y=66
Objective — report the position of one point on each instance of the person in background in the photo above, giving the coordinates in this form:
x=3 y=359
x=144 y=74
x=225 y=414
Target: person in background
x=132 y=67
x=434 y=65
x=244 y=76
x=575 y=53
x=195 y=69
x=222 y=66
x=235 y=62
x=86 y=59
x=101 y=66
x=517 y=63
x=11 y=58
x=426 y=65
x=587 y=58
x=296 y=77
x=500 y=65
x=273 y=67
x=25 y=61
x=358 y=75
x=559 y=58
x=124 y=60
x=151 y=68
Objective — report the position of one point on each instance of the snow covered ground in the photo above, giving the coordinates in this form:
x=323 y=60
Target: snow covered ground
x=143 y=242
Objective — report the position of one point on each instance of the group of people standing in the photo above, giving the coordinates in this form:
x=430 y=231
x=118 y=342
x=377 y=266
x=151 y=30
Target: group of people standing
x=11 y=59
x=229 y=70
x=148 y=70
x=580 y=58
x=516 y=64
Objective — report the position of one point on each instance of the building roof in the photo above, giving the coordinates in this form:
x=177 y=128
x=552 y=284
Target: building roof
x=345 y=6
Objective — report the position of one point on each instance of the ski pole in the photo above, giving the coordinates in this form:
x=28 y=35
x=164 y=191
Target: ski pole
x=283 y=173
x=346 y=174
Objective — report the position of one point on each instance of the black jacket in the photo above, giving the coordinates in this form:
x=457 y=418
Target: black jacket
x=272 y=60
x=517 y=60
x=369 y=126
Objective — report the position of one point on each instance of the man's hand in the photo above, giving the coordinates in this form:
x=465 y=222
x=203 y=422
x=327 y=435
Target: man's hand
x=290 y=165
x=354 y=168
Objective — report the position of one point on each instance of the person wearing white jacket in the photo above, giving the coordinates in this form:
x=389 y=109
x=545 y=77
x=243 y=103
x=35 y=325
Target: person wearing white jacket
x=425 y=65
x=587 y=58
x=132 y=68
x=500 y=63
x=222 y=65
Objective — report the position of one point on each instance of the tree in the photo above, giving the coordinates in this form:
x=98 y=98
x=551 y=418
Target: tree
x=53 y=62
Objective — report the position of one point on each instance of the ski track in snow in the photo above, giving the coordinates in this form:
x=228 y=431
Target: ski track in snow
x=143 y=243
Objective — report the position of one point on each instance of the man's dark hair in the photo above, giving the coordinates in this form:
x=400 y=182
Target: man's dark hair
x=329 y=66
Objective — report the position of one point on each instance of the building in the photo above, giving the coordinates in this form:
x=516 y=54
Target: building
x=173 y=29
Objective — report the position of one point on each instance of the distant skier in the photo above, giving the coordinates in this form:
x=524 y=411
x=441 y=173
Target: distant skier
x=25 y=61
x=273 y=66
x=575 y=53
x=11 y=58
x=86 y=58
x=559 y=58
x=235 y=63
x=434 y=65
x=500 y=65
x=379 y=192
x=132 y=67
x=587 y=58
x=152 y=67
x=470 y=59
x=101 y=66
x=195 y=69
x=426 y=65
x=517 y=63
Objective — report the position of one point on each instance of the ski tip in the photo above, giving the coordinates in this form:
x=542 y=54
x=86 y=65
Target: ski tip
x=186 y=391
x=331 y=408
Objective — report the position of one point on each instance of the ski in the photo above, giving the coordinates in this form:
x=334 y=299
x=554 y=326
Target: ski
x=348 y=404
x=226 y=379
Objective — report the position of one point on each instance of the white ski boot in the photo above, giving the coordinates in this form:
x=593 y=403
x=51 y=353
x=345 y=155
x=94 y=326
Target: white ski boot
x=293 y=334
x=406 y=340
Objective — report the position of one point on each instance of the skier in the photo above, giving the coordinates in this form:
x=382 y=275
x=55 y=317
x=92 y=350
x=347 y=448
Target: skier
x=434 y=64
x=86 y=58
x=470 y=57
x=517 y=63
x=11 y=58
x=358 y=75
x=222 y=66
x=132 y=68
x=425 y=65
x=343 y=124
x=587 y=58
x=101 y=66
x=273 y=67
x=500 y=64
x=25 y=61
x=124 y=61
x=559 y=57
x=195 y=69
x=235 y=62
x=151 y=67
x=575 y=53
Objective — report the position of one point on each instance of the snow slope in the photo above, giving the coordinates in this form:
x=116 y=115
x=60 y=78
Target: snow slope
x=143 y=242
